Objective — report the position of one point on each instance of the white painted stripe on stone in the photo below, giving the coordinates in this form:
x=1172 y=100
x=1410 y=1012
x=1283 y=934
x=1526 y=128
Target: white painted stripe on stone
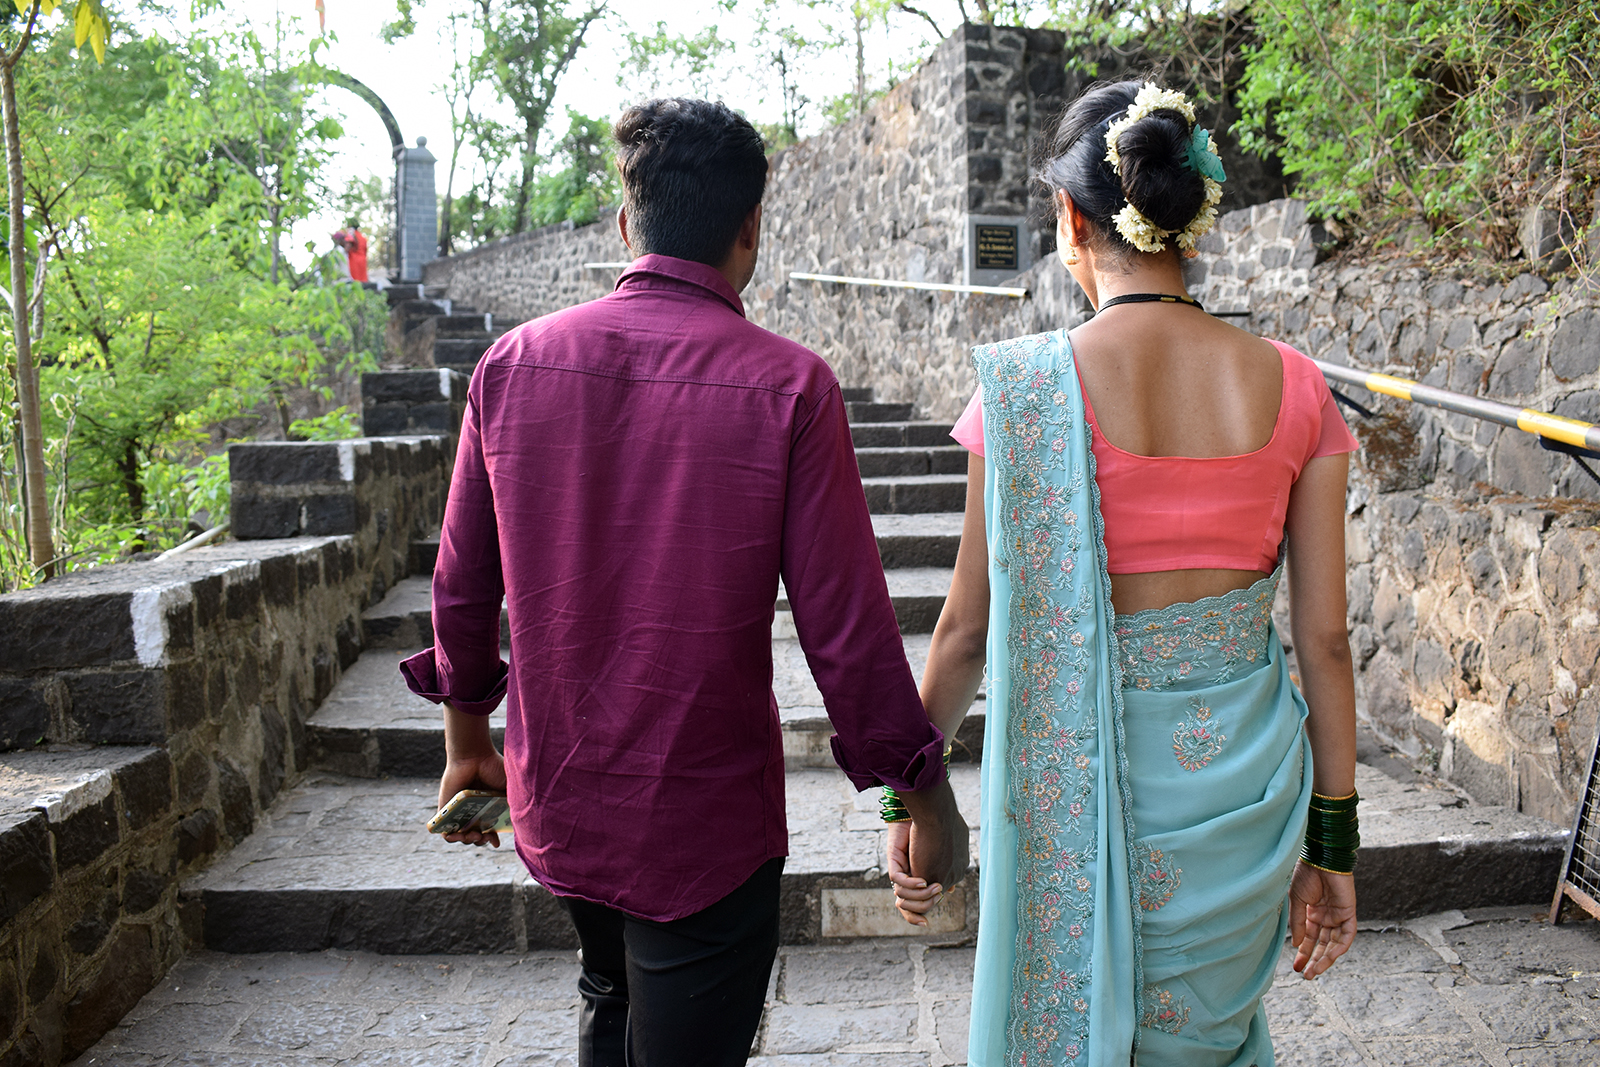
x=148 y=614
x=444 y=382
x=347 y=461
x=87 y=791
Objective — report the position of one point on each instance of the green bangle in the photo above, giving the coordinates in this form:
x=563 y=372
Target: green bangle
x=1333 y=833
x=892 y=809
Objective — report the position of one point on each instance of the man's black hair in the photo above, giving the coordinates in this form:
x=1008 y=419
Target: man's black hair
x=692 y=171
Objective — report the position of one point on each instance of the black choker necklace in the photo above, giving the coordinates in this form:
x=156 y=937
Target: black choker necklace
x=1148 y=298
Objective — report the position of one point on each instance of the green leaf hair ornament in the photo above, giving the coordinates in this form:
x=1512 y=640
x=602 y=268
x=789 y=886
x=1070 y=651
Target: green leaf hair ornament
x=1130 y=222
x=1203 y=156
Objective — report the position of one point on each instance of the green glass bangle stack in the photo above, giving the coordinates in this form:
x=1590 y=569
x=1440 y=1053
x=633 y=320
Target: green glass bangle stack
x=892 y=809
x=1332 y=834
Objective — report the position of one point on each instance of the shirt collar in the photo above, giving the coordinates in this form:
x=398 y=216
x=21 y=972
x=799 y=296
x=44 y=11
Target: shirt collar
x=661 y=272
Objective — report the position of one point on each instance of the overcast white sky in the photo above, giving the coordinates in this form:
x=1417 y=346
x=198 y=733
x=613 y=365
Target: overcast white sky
x=407 y=74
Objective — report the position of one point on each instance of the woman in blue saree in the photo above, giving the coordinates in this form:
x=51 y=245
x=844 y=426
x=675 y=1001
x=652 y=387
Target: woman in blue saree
x=1137 y=488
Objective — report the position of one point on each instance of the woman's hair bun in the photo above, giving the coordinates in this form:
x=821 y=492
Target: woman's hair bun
x=1156 y=176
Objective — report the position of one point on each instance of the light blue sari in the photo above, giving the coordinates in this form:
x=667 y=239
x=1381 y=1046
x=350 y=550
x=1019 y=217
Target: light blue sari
x=1145 y=777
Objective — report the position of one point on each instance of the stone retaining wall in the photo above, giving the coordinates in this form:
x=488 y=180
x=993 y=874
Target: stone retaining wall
x=149 y=711
x=1473 y=551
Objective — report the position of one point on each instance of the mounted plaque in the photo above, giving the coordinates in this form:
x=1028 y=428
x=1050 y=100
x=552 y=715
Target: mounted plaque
x=998 y=248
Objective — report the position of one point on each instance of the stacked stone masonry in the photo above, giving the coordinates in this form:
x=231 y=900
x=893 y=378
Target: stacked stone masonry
x=151 y=710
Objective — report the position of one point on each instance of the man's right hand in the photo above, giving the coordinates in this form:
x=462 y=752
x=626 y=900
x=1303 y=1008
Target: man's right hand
x=929 y=853
x=471 y=762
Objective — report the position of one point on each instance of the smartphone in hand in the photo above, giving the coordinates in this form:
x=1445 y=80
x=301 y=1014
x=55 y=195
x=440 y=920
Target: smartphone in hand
x=473 y=809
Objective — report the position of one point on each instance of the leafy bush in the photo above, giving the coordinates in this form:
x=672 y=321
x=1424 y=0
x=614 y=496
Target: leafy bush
x=1463 y=113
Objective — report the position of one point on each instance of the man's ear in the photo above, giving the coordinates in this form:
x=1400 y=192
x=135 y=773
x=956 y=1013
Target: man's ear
x=750 y=229
x=622 y=226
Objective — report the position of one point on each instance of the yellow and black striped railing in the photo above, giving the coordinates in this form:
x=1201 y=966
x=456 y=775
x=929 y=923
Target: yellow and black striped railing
x=1574 y=433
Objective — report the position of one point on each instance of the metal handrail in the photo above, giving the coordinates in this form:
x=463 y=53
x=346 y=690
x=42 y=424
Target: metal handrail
x=937 y=287
x=1574 y=433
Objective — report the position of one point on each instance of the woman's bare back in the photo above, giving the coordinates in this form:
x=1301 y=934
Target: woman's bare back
x=1170 y=380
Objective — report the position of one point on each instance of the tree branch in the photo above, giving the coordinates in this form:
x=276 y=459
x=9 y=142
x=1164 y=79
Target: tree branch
x=923 y=15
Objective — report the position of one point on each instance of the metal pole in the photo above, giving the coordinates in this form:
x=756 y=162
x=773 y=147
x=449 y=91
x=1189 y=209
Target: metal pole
x=993 y=290
x=1529 y=420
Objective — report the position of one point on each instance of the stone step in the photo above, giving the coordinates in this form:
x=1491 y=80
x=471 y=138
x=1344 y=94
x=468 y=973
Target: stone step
x=459 y=352
x=872 y=411
x=926 y=539
x=916 y=494
x=893 y=462
x=346 y=863
x=424 y=554
x=900 y=434
x=404 y=617
x=473 y=325
x=342 y=863
x=859 y=394
x=917 y=592
x=372 y=725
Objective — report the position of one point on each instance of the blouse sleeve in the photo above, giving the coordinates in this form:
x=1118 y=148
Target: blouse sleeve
x=968 y=430
x=1335 y=436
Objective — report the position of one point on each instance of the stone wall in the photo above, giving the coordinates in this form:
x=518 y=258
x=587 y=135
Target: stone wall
x=150 y=710
x=534 y=273
x=1473 y=551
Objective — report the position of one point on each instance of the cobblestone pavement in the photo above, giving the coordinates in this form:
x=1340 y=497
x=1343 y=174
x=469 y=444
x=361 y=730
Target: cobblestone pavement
x=1492 y=987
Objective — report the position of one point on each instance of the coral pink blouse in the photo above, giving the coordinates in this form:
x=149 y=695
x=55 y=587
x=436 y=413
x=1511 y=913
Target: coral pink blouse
x=1166 y=513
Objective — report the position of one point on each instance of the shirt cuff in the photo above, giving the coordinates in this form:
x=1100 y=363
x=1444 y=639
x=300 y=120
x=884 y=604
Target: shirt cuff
x=879 y=765
x=421 y=673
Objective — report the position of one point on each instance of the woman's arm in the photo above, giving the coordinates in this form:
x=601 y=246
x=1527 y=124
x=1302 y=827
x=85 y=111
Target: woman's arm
x=1315 y=526
x=1322 y=905
x=950 y=682
x=956 y=653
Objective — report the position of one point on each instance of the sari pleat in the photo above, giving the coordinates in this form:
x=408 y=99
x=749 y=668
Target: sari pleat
x=1145 y=781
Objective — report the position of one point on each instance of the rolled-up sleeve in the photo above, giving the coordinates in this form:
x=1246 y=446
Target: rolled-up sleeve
x=464 y=666
x=843 y=614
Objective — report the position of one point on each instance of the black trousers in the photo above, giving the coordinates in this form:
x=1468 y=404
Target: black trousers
x=685 y=993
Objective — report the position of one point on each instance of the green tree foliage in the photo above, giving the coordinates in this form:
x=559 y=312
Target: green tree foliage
x=1461 y=113
x=158 y=191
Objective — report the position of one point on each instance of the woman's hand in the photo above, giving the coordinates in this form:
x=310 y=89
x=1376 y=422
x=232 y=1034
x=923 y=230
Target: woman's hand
x=913 y=896
x=1322 y=917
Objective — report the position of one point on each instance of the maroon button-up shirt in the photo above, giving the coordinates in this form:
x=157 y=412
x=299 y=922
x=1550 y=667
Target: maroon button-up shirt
x=634 y=475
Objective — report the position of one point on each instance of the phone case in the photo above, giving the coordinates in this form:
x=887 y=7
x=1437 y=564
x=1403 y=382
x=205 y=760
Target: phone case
x=472 y=809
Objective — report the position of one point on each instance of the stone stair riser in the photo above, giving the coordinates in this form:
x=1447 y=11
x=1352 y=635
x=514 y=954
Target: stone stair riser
x=888 y=496
x=514 y=918
x=900 y=434
x=394 y=752
x=872 y=411
x=891 y=462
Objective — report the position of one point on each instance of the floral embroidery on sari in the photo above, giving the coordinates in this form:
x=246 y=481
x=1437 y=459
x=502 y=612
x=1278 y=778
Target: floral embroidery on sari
x=1200 y=644
x=1157 y=876
x=1198 y=739
x=1050 y=743
x=1163 y=1011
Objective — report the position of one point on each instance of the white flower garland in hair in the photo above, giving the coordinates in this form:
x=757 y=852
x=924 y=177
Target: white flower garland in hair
x=1132 y=223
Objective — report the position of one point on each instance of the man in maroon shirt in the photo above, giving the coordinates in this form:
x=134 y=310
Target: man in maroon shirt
x=634 y=476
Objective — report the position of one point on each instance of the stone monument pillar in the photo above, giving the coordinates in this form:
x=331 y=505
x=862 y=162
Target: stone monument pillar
x=416 y=210
x=1013 y=81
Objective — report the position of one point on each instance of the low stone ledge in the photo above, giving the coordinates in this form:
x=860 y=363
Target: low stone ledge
x=399 y=403
x=88 y=891
x=319 y=488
